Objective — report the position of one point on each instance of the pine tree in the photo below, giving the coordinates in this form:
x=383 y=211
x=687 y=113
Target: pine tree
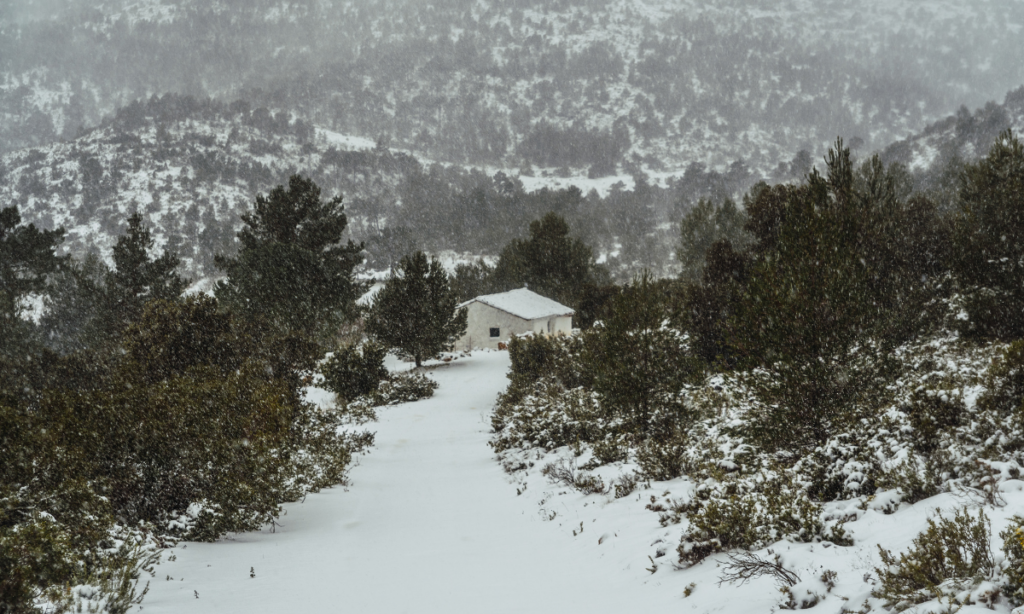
x=702 y=226
x=74 y=304
x=638 y=363
x=27 y=258
x=808 y=311
x=137 y=278
x=989 y=239
x=292 y=267
x=415 y=312
x=550 y=262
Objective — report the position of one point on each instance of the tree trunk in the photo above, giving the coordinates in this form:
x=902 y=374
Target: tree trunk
x=419 y=361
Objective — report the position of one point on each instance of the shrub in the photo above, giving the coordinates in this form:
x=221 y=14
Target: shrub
x=549 y=417
x=1013 y=567
x=661 y=459
x=626 y=485
x=169 y=338
x=932 y=412
x=355 y=370
x=56 y=532
x=198 y=437
x=537 y=356
x=749 y=516
x=1004 y=386
x=915 y=479
x=945 y=559
x=404 y=388
x=566 y=474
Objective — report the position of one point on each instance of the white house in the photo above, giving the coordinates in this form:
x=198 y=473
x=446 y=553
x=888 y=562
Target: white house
x=494 y=318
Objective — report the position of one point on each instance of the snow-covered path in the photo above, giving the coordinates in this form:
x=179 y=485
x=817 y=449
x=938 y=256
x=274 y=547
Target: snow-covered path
x=430 y=523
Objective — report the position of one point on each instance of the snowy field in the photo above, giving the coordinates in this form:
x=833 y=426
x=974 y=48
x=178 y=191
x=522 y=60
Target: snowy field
x=432 y=523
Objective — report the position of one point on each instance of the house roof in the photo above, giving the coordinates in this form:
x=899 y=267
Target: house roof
x=524 y=304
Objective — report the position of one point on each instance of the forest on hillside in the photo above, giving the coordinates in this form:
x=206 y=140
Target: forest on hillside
x=571 y=83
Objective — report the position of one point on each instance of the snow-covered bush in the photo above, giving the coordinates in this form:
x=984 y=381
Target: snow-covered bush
x=550 y=417
x=355 y=370
x=403 y=388
x=615 y=388
x=947 y=560
x=193 y=426
x=1004 y=389
x=72 y=559
x=566 y=474
x=1013 y=564
x=750 y=513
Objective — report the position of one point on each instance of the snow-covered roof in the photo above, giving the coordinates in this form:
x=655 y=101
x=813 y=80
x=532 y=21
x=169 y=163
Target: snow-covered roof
x=524 y=304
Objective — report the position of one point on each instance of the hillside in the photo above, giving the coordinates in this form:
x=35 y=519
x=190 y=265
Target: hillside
x=963 y=136
x=586 y=84
x=191 y=167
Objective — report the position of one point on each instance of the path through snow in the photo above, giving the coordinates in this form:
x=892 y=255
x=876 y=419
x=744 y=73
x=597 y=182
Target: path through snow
x=430 y=523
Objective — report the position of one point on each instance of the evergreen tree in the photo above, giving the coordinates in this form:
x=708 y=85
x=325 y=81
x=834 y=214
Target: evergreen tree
x=27 y=258
x=137 y=278
x=702 y=226
x=473 y=280
x=550 y=262
x=989 y=238
x=710 y=307
x=74 y=304
x=637 y=362
x=292 y=267
x=808 y=311
x=415 y=312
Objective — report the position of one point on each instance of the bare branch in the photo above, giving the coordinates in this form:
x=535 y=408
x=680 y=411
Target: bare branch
x=746 y=566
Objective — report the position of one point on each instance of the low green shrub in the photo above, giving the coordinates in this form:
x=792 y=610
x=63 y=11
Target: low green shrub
x=534 y=357
x=1004 y=386
x=43 y=554
x=355 y=371
x=554 y=400
x=403 y=388
x=662 y=458
x=915 y=479
x=752 y=514
x=1013 y=564
x=951 y=555
x=548 y=417
x=193 y=428
x=932 y=412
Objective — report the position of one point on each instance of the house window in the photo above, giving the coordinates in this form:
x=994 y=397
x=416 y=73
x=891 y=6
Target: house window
x=495 y=332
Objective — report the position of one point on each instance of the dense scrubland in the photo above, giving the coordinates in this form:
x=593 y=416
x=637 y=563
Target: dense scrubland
x=134 y=415
x=843 y=338
x=784 y=330
x=826 y=340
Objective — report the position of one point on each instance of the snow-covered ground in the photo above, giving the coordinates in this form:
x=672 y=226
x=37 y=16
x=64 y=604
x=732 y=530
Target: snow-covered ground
x=431 y=523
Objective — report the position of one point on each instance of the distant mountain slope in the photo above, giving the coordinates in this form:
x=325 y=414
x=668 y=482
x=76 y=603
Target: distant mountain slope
x=190 y=167
x=963 y=136
x=579 y=83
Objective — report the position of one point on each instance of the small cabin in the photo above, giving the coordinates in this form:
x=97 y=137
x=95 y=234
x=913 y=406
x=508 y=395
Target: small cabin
x=495 y=318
